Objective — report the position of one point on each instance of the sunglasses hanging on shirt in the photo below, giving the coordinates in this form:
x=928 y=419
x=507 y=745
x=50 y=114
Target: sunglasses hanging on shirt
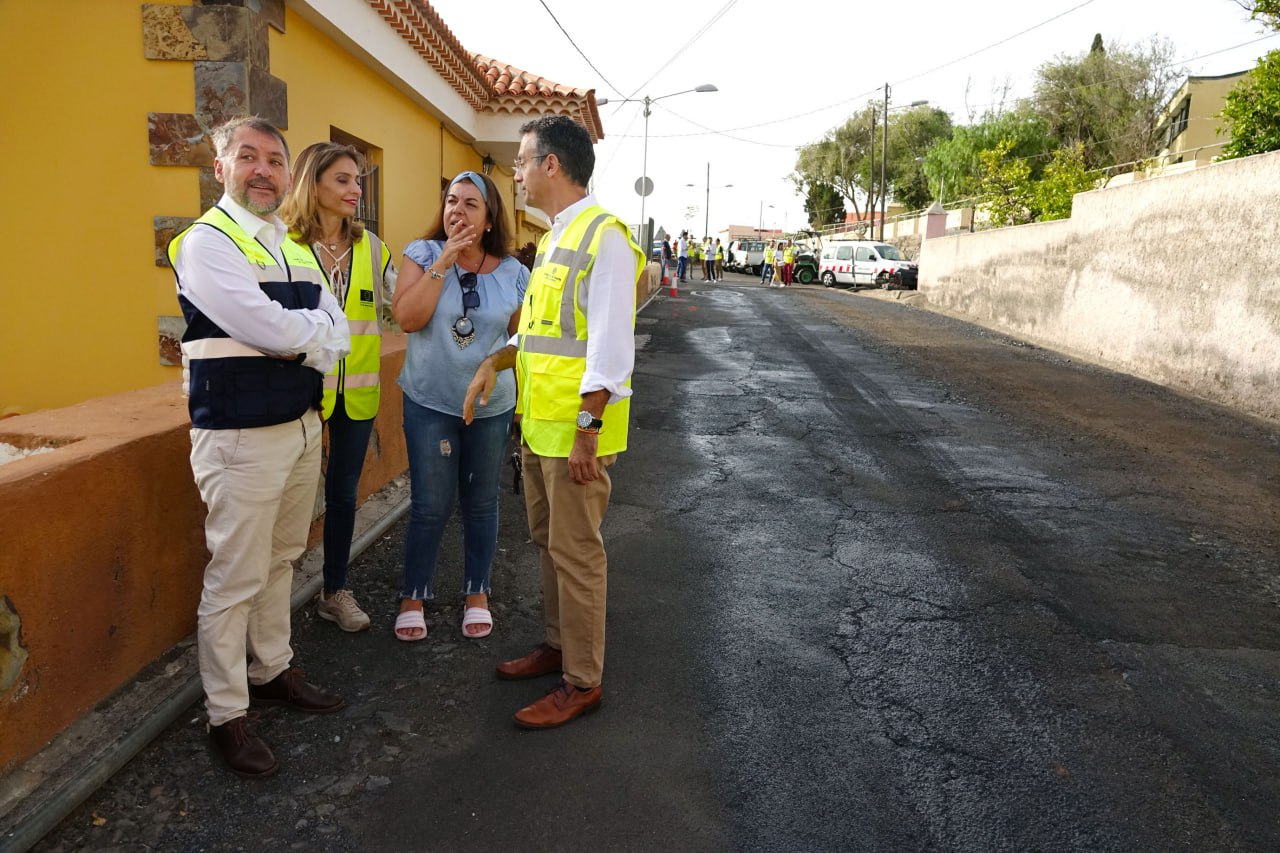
x=464 y=328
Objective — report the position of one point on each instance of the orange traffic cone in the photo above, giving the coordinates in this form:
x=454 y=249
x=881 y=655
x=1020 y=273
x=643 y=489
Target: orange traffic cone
x=675 y=291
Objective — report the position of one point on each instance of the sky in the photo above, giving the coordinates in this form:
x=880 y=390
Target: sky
x=788 y=72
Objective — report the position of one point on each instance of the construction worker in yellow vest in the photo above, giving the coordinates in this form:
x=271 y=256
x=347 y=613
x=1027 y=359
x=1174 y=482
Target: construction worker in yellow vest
x=766 y=269
x=788 y=259
x=320 y=212
x=573 y=357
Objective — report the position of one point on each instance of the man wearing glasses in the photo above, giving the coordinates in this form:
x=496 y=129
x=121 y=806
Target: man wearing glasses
x=573 y=353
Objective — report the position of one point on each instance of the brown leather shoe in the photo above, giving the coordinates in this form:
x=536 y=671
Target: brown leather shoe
x=562 y=704
x=244 y=752
x=543 y=660
x=291 y=688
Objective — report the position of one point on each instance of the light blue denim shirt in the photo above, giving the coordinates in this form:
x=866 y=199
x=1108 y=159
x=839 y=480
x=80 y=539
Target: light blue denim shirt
x=436 y=371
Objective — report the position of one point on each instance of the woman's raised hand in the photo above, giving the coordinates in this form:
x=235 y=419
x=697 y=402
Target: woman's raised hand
x=458 y=243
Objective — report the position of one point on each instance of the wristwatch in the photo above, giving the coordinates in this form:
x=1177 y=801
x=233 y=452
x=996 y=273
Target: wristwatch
x=589 y=422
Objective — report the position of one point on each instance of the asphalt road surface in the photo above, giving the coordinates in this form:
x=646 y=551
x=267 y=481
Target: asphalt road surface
x=879 y=581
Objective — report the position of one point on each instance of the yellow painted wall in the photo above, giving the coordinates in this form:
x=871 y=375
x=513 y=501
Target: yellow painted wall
x=78 y=307
x=329 y=88
x=79 y=320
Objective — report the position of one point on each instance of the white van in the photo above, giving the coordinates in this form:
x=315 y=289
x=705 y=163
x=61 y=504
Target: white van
x=854 y=262
x=748 y=256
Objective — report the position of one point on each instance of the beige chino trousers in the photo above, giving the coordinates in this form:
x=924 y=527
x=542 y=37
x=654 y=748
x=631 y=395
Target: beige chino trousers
x=564 y=522
x=260 y=488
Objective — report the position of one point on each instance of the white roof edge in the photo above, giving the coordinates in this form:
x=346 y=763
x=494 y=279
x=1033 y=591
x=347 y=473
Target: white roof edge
x=355 y=26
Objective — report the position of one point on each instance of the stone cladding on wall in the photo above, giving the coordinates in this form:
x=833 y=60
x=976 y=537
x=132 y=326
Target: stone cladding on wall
x=227 y=44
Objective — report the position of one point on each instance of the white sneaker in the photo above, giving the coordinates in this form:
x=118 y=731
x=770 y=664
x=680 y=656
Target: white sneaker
x=341 y=607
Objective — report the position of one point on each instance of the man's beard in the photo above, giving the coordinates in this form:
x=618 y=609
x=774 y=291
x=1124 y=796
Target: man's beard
x=254 y=207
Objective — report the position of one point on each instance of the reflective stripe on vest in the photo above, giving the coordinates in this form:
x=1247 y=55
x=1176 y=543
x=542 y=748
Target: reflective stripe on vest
x=552 y=357
x=231 y=385
x=357 y=376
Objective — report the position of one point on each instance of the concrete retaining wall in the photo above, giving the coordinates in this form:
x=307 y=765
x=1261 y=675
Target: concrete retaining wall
x=102 y=548
x=1173 y=279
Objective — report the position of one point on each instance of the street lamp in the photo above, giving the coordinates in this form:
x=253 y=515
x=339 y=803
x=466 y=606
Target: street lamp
x=644 y=186
x=706 y=220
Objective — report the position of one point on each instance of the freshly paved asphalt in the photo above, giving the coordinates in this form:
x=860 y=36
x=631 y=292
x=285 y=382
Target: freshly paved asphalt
x=854 y=606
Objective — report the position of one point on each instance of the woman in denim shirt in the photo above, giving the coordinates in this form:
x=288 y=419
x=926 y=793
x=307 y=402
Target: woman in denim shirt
x=458 y=297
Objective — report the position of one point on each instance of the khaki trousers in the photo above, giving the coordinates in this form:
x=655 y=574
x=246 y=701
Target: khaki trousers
x=260 y=488
x=564 y=522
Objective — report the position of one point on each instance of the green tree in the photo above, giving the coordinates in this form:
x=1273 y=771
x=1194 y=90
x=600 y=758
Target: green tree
x=1252 y=110
x=1267 y=11
x=1108 y=100
x=955 y=165
x=823 y=205
x=1065 y=176
x=1007 y=186
x=912 y=133
x=842 y=160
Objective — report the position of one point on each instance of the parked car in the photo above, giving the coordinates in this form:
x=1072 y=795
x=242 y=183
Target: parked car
x=748 y=256
x=855 y=262
x=656 y=253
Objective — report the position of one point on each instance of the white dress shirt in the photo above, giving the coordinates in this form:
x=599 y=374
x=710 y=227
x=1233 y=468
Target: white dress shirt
x=216 y=277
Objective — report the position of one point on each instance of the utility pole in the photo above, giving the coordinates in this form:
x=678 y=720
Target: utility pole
x=871 y=181
x=706 y=219
x=884 y=155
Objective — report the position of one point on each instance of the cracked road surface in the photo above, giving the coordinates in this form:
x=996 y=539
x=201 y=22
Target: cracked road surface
x=879 y=581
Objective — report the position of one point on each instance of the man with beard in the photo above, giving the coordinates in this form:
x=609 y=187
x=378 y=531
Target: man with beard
x=262 y=331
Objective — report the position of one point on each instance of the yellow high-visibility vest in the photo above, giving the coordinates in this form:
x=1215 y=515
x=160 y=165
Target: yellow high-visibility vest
x=357 y=377
x=552 y=356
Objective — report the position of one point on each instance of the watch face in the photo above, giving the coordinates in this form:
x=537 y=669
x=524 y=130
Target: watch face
x=584 y=420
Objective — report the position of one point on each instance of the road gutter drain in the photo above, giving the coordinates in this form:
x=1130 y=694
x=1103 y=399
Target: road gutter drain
x=12 y=654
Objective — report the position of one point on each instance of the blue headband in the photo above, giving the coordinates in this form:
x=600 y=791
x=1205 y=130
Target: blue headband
x=476 y=180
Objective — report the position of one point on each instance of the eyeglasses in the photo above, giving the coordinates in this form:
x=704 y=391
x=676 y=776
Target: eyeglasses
x=519 y=162
x=470 y=296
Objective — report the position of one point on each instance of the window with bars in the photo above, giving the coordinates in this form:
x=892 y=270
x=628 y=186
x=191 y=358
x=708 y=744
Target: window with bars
x=369 y=210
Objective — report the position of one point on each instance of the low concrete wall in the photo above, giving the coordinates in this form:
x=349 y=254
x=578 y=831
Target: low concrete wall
x=1139 y=279
x=103 y=548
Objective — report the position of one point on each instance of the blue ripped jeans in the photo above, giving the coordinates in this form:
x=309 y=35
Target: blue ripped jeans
x=449 y=459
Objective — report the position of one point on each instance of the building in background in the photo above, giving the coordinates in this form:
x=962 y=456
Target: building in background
x=1189 y=124
x=107 y=147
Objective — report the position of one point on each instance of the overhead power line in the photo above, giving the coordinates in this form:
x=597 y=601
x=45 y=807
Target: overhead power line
x=694 y=38
x=578 y=49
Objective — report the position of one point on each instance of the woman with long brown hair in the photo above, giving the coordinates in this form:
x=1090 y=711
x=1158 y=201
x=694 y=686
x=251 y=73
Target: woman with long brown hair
x=320 y=212
x=459 y=300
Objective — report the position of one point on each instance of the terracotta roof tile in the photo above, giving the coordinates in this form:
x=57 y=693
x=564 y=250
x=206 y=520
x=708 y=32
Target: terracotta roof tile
x=506 y=79
x=485 y=83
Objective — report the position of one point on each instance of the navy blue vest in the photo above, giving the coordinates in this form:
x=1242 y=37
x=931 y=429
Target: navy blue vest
x=230 y=385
